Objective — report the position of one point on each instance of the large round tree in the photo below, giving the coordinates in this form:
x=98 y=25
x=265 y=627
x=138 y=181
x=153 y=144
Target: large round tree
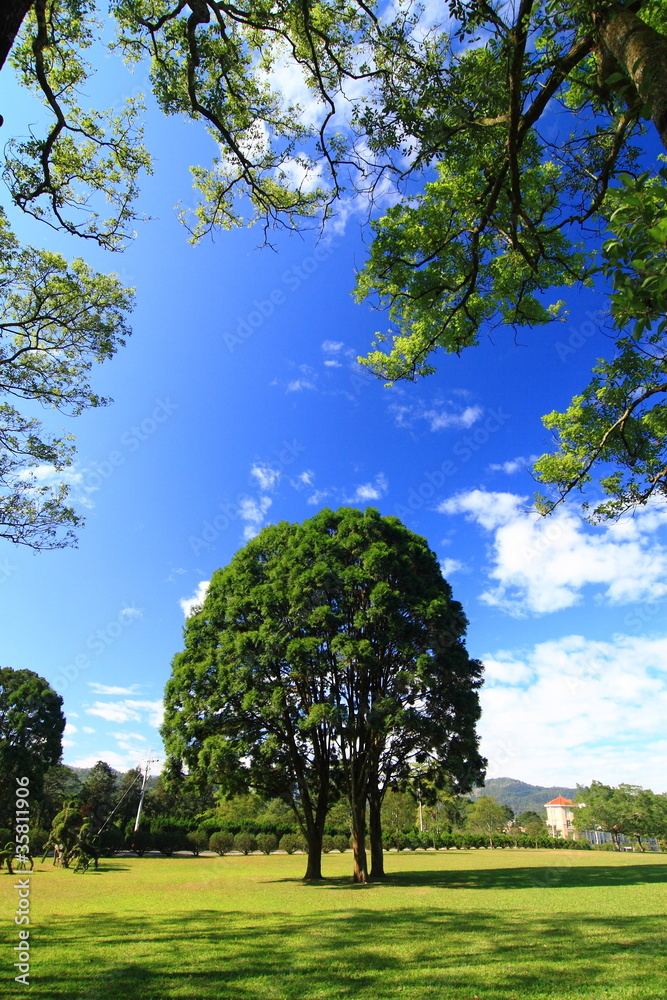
x=31 y=729
x=327 y=656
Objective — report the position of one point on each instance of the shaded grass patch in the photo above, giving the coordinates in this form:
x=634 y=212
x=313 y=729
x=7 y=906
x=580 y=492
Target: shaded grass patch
x=497 y=925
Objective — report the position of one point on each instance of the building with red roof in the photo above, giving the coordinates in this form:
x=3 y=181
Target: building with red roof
x=560 y=817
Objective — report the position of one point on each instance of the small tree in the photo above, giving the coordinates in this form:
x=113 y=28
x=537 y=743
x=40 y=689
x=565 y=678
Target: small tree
x=197 y=841
x=487 y=816
x=221 y=842
x=138 y=841
x=245 y=843
x=290 y=843
x=267 y=842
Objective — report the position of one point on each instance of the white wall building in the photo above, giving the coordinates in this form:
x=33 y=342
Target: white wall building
x=560 y=817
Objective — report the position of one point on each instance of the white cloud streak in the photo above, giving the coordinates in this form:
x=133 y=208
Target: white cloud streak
x=543 y=564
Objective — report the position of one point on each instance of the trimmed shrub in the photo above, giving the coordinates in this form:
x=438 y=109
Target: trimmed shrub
x=139 y=842
x=267 y=842
x=328 y=843
x=197 y=840
x=221 y=842
x=341 y=842
x=290 y=842
x=170 y=839
x=245 y=843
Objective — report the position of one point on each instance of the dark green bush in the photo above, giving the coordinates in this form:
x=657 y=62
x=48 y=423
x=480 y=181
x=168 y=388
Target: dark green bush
x=197 y=841
x=245 y=843
x=170 y=839
x=139 y=842
x=267 y=842
x=221 y=842
x=291 y=842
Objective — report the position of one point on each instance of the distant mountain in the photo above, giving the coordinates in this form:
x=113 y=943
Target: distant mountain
x=520 y=796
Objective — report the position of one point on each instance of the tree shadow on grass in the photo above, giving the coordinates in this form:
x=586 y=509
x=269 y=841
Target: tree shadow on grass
x=561 y=875
x=346 y=954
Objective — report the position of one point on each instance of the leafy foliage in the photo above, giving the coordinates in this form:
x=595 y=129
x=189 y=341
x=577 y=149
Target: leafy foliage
x=31 y=729
x=56 y=321
x=327 y=656
x=630 y=810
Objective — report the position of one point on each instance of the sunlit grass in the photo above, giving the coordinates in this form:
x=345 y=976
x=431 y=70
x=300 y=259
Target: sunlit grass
x=497 y=925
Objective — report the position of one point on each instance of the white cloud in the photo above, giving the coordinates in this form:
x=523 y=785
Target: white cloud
x=441 y=419
x=542 y=564
x=49 y=475
x=440 y=415
x=513 y=465
x=70 y=729
x=118 y=761
x=305 y=478
x=190 y=604
x=289 y=80
x=299 y=384
x=369 y=491
x=129 y=710
x=130 y=736
x=301 y=175
x=87 y=729
x=252 y=510
x=131 y=612
x=572 y=710
x=318 y=496
x=332 y=346
x=107 y=689
x=267 y=478
x=450 y=566
x=133 y=743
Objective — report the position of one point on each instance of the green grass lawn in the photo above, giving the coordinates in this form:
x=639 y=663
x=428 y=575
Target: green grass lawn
x=451 y=925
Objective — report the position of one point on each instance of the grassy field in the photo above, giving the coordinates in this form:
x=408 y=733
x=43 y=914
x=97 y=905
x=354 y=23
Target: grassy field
x=451 y=925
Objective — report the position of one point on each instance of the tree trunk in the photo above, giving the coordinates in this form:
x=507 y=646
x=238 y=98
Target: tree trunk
x=314 y=866
x=12 y=13
x=641 y=53
x=358 y=808
x=375 y=831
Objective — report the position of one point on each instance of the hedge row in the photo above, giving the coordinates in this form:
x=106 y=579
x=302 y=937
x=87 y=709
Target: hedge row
x=415 y=840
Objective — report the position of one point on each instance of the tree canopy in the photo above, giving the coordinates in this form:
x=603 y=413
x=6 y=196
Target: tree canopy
x=515 y=141
x=31 y=729
x=327 y=657
x=629 y=810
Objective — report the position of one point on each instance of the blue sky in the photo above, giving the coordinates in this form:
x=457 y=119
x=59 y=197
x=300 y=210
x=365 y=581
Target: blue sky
x=239 y=402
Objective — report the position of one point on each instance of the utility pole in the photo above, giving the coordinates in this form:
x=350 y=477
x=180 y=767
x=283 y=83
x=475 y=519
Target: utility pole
x=150 y=760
